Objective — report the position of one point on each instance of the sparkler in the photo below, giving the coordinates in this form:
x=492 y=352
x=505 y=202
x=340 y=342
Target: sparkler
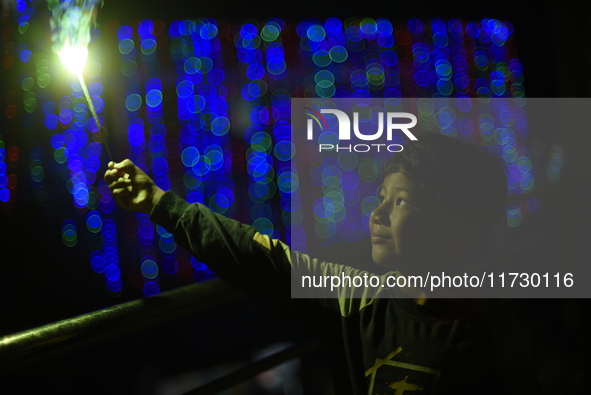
x=74 y=59
x=71 y=23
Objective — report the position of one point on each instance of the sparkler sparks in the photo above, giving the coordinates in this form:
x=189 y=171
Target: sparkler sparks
x=73 y=57
x=71 y=23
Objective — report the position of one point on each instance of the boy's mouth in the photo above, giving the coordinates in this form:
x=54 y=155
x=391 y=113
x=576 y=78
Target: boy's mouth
x=379 y=238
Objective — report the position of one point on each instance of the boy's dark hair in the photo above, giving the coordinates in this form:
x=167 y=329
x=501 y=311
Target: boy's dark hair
x=463 y=179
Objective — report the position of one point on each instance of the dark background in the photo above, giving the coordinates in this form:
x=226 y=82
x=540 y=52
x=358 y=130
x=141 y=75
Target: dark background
x=553 y=40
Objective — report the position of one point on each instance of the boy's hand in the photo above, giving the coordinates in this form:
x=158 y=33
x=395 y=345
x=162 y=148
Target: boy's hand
x=132 y=188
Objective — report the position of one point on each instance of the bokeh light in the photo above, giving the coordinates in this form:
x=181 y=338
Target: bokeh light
x=167 y=107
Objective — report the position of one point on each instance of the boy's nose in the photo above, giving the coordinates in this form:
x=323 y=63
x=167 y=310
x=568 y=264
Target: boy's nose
x=377 y=216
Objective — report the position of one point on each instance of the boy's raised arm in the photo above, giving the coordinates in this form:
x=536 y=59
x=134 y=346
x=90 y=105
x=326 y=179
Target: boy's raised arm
x=236 y=252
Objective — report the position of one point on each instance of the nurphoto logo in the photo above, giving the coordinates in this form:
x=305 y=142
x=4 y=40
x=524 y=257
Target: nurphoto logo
x=344 y=130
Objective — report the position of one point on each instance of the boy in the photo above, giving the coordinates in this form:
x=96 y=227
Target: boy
x=439 y=199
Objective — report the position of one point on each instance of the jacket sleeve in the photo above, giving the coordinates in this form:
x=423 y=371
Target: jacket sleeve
x=236 y=252
x=251 y=262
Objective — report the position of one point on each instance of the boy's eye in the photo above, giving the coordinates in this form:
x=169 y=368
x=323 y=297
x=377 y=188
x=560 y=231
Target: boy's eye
x=401 y=202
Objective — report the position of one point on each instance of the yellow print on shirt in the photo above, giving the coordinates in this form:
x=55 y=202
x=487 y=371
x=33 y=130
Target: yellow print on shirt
x=389 y=377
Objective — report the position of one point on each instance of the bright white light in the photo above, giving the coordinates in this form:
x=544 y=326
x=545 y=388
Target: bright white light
x=73 y=57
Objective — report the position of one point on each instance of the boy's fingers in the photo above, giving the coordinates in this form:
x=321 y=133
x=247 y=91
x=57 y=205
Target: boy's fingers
x=120 y=183
x=111 y=175
x=120 y=192
x=126 y=165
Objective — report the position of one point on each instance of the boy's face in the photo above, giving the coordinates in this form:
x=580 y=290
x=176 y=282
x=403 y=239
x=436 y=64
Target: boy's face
x=405 y=228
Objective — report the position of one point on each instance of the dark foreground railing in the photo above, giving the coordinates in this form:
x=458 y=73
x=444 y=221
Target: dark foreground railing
x=59 y=338
x=52 y=340
x=254 y=368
